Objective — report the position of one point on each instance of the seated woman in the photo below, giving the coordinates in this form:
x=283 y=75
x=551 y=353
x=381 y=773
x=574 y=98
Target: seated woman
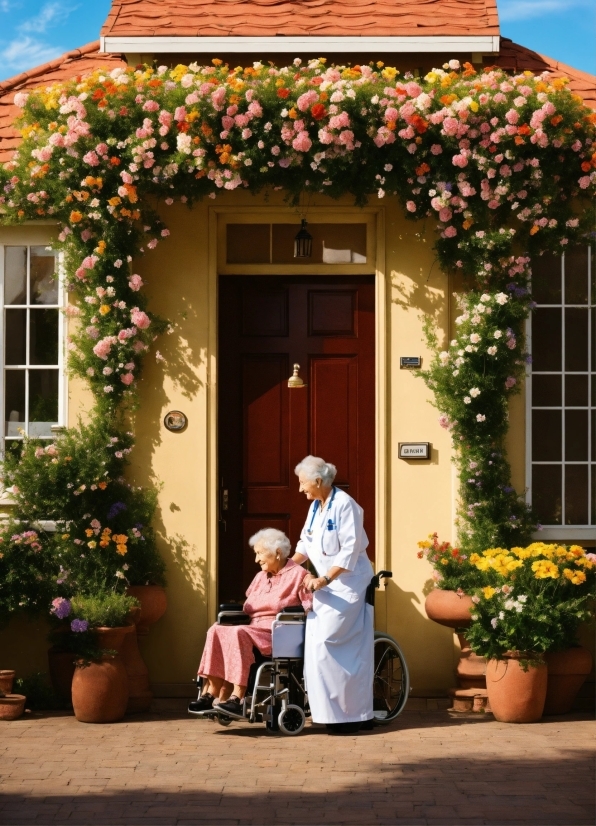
x=228 y=653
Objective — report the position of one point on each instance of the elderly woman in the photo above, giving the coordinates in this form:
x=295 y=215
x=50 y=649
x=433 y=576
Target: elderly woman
x=338 y=662
x=228 y=653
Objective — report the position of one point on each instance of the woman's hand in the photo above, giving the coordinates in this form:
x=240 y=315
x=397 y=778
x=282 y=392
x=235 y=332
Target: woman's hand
x=315 y=583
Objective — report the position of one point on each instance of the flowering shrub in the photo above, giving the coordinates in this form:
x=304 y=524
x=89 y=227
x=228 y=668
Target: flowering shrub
x=533 y=599
x=452 y=569
x=504 y=166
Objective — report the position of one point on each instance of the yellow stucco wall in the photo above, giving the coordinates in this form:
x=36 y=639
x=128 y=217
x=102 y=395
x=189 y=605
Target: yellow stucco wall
x=419 y=496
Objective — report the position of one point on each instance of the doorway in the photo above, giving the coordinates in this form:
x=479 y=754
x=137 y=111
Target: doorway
x=266 y=325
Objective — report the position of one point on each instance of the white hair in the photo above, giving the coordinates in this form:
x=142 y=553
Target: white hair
x=271 y=540
x=313 y=468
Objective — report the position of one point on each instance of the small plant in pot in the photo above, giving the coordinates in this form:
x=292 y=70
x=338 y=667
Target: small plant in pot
x=98 y=624
x=530 y=605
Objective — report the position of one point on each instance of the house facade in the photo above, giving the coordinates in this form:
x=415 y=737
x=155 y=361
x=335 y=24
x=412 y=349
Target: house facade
x=245 y=310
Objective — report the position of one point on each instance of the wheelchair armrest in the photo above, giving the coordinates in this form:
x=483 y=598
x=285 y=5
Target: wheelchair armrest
x=294 y=613
x=293 y=609
x=231 y=606
x=233 y=618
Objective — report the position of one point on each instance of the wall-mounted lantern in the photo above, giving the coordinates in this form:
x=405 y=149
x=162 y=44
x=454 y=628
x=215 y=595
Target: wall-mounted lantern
x=303 y=242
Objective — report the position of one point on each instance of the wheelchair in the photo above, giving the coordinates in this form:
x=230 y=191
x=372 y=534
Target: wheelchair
x=276 y=694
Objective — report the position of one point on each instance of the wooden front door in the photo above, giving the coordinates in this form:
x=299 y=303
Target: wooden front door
x=266 y=324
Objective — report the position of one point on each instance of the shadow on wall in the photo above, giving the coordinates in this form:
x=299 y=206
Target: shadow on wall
x=457 y=787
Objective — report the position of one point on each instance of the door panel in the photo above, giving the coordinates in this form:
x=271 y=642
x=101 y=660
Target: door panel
x=265 y=428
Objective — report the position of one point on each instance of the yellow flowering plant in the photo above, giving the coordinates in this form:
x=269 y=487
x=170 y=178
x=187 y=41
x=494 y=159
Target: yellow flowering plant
x=532 y=599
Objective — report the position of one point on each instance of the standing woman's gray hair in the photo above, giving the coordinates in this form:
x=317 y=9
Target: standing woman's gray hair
x=313 y=468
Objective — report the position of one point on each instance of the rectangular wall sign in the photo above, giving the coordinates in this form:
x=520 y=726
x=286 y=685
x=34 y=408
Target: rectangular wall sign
x=414 y=450
x=410 y=362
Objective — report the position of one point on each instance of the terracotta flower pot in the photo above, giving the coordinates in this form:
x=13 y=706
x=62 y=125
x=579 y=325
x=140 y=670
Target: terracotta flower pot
x=139 y=695
x=567 y=671
x=12 y=706
x=153 y=601
x=515 y=695
x=6 y=681
x=61 y=667
x=471 y=668
x=448 y=608
x=100 y=690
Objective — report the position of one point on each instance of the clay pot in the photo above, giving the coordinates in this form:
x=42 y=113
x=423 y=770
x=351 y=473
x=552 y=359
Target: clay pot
x=448 y=608
x=100 y=690
x=567 y=671
x=153 y=601
x=6 y=681
x=139 y=695
x=471 y=668
x=12 y=706
x=515 y=695
x=61 y=667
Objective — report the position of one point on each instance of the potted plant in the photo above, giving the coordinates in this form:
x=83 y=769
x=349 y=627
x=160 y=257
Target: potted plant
x=98 y=625
x=530 y=604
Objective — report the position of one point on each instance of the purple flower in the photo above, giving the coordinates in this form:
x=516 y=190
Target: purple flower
x=60 y=607
x=115 y=509
x=79 y=626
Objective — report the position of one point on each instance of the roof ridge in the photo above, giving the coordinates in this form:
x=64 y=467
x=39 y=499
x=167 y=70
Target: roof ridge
x=12 y=82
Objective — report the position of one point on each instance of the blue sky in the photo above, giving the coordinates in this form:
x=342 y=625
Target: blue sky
x=34 y=31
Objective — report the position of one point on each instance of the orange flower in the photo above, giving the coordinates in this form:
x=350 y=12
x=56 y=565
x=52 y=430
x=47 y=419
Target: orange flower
x=283 y=93
x=76 y=216
x=102 y=485
x=424 y=167
x=115 y=161
x=114 y=201
x=586 y=166
x=293 y=113
x=524 y=129
x=556 y=120
x=534 y=229
x=104 y=309
x=121 y=549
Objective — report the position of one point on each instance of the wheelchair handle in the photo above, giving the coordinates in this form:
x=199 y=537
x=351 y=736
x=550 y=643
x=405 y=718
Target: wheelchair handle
x=374 y=584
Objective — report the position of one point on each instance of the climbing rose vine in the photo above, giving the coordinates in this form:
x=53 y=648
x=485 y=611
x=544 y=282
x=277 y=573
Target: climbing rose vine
x=503 y=167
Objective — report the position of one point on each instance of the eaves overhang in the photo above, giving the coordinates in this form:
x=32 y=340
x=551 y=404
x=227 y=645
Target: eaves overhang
x=292 y=44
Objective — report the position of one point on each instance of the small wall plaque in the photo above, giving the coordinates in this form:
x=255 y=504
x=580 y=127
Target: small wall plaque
x=414 y=450
x=175 y=421
x=410 y=362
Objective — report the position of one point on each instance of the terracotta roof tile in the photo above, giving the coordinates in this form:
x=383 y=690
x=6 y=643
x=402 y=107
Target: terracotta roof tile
x=516 y=58
x=251 y=18
x=77 y=62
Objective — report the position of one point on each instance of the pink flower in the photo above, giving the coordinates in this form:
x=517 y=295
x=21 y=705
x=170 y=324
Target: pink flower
x=306 y=100
x=180 y=112
x=135 y=282
x=127 y=378
x=227 y=122
x=413 y=89
x=444 y=421
x=255 y=109
x=150 y=106
x=391 y=114
x=450 y=232
x=436 y=149
x=445 y=214
x=302 y=142
x=411 y=206
x=511 y=343
x=584 y=182
x=103 y=347
x=459 y=160
x=510 y=382
x=91 y=159
x=139 y=318
x=339 y=121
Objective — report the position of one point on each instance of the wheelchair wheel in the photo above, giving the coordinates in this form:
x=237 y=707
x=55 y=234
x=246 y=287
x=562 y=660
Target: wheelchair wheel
x=391 y=683
x=291 y=720
x=223 y=720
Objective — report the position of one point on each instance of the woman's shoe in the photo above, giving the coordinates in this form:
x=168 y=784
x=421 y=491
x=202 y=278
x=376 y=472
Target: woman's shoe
x=203 y=703
x=344 y=728
x=232 y=707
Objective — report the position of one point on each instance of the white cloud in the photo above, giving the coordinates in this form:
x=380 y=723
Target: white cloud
x=25 y=52
x=5 y=5
x=511 y=11
x=52 y=14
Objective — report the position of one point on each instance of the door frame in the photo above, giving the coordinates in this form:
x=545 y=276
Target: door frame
x=375 y=218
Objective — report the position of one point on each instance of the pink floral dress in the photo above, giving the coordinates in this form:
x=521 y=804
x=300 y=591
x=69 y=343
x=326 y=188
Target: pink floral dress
x=228 y=652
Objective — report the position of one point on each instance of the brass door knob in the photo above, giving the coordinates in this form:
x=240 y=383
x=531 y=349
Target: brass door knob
x=295 y=381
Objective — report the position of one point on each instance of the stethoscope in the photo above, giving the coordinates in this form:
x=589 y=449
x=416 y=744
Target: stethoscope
x=330 y=524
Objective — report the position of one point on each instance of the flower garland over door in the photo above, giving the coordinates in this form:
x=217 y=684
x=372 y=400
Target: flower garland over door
x=505 y=166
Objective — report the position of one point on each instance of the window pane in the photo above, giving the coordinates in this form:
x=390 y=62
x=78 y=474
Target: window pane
x=594 y=435
x=43 y=401
x=546 y=391
x=576 y=276
x=546 y=435
x=43 y=337
x=43 y=284
x=593 y=494
x=546 y=279
x=546 y=339
x=248 y=244
x=576 y=495
x=576 y=339
x=16 y=321
x=576 y=436
x=15 y=275
x=576 y=391
x=14 y=402
x=546 y=493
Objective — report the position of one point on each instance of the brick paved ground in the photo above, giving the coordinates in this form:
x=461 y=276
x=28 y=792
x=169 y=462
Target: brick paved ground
x=426 y=768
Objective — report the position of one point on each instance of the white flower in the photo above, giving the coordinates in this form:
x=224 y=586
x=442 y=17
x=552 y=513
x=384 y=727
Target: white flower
x=485 y=297
x=474 y=392
x=492 y=351
x=476 y=319
x=522 y=598
x=494 y=622
x=459 y=361
x=501 y=298
x=501 y=615
x=456 y=372
x=467 y=400
x=454 y=343
x=509 y=604
x=498 y=334
x=444 y=356
x=480 y=418
x=474 y=338
x=469 y=348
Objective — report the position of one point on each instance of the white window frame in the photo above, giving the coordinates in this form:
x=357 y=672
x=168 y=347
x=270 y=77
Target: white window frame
x=563 y=532
x=5 y=498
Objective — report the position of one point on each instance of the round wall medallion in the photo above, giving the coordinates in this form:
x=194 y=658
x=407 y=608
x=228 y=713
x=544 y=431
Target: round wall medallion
x=175 y=421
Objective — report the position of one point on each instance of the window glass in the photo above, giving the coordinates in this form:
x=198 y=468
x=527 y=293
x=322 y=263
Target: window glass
x=546 y=339
x=42 y=275
x=576 y=339
x=547 y=493
x=576 y=276
x=546 y=391
x=546 y=279
x=15 y=275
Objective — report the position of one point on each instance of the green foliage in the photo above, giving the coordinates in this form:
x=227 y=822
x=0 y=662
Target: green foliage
x=104 y=610
x=532 y=600
x=39 y=692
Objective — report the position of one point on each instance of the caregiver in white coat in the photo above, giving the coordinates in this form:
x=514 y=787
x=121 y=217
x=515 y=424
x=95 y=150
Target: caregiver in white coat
x=338 y=655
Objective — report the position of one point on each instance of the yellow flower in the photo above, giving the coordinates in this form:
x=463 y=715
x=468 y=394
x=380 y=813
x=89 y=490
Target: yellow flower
x=389 y=72
x=474 y=106
x=104 y=309
x=488 y=592
x=431 y=77
x=92 y=544
x=474 y=558
x=513 y=564
x=543 y=569
x=121 y=549
x=101 y=247
x=576 y=577
x=65 y=536
x=444 y=561
x=483 y=565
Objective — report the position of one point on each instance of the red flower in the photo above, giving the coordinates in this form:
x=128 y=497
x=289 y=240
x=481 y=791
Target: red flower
x=283 y=93
x=318 y=111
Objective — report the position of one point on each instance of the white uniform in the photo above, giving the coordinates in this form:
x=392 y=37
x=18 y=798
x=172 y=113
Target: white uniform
x=338 y=656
